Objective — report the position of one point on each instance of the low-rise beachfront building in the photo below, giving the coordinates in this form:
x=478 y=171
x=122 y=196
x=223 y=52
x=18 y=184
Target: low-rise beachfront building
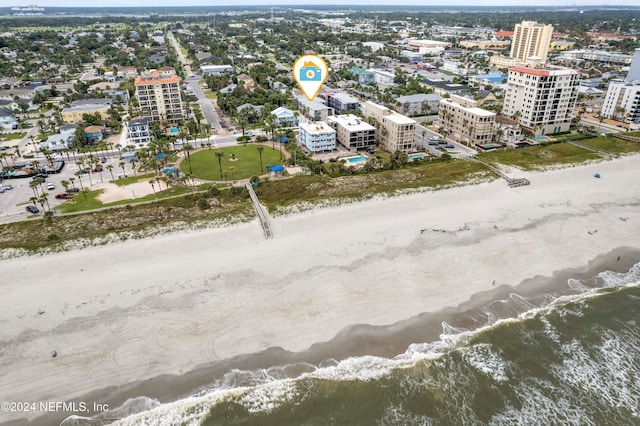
x=342 y=102
x=465 y=122
x=317 y=136
x=73 y=114
x=138 y=131
x=421 y=103
x=313 y=110
x=352 y=132
x=395 y=132
x=284 y=117
x=362 y=76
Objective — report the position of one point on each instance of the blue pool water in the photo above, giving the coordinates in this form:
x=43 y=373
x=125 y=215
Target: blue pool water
x=356 y=159
x=174 y=130
x=540 y=138
x=417 y=155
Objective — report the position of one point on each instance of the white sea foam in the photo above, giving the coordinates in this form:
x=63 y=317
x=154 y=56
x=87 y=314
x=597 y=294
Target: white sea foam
x=485 y=359
x=539 y=401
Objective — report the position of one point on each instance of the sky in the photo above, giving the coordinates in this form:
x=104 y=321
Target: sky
x=156 y=3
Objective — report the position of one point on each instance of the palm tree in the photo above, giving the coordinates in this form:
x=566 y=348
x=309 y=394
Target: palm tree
x=153 y=186
x=187 y=148
x=110 y=168
x=260 y=149
x=219 y=155
x=33 y=200
x=121 y=165
x=34 y=185
x=79 y=175
x=65 y=185
x=72 y=180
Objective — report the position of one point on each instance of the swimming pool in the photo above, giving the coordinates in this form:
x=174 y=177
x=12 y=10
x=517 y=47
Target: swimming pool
x=359 y=159
x=174 y=130
x=417 y=155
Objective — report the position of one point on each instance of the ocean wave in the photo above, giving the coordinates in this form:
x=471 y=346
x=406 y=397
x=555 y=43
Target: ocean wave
x=583 y=370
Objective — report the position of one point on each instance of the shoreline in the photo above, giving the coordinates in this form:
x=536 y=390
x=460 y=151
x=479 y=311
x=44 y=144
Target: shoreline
x=356 y=340
x=161 y=306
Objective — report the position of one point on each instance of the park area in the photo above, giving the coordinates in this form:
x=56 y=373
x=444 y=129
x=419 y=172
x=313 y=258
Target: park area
x=231 y=163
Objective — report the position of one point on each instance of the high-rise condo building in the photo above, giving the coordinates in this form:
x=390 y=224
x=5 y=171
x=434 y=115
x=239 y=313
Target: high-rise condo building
x=395 y=131
x=531 y=39
x=540 y=99
x=159 y=97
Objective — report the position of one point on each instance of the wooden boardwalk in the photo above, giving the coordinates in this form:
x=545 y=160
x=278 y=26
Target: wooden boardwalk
x=261 y=212
x=512 y=182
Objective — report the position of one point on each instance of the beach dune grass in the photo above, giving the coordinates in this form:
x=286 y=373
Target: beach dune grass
x=540 y=156
x=611 y=144
x=314 y=187
x=204 y=162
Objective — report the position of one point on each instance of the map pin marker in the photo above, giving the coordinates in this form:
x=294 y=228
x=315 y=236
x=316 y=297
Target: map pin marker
x=310 y=72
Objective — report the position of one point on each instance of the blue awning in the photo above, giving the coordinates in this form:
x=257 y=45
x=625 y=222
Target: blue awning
x=275 y=168
x=171 y=170
x=284 y=139
x=160 y=155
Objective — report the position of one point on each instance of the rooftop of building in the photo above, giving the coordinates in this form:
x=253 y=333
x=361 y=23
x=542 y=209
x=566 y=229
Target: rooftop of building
x=154 y=78
x=344 y=98
x=419 y=97
x=543 y=72
x=316 y=127
x=350 y=122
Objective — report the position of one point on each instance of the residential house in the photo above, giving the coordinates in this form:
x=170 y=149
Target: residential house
x=248 y=82
x=353 y=132
x=362 y=76
x=284 y=117
x=317 y=136
x=93 y=135
x=61 y=140
x=7 y=120
x=508 y=131
x=486 y=98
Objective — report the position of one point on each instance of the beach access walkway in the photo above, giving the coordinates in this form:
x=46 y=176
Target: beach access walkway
x=260 y=211
x=512 y=182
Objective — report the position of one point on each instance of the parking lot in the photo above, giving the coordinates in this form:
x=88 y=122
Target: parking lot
x=14 y=201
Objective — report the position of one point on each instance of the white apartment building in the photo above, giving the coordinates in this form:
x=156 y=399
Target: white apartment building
x=541 y=100
x=396 y=132
x=352 y=131
x=465 y=122
x=138 y=131
x=317 y=136
x=531 y=39
x=159 y=97
x=623 y=101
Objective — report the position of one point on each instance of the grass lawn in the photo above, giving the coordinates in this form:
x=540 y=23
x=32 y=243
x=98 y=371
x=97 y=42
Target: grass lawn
x=12 y=136
x=92 y=201
x=539 y=156
x=210 y=94
x=131 y=179
x=205 y=164
x=611 y=144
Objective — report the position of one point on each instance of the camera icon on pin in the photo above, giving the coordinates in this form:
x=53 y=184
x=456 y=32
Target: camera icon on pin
x=310 y=72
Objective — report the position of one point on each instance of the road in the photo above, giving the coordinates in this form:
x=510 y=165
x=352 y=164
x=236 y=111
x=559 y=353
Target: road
x=193 y=82
x=459 y=150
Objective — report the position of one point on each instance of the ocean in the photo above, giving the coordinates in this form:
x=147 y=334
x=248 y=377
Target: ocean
x=570 y=358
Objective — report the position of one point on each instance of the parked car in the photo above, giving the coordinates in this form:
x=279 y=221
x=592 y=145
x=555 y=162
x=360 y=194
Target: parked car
x=103 y=160
x=32 y=209
x=97 y=169
x=40 y=175
x=433 y=143
x=63 y=196
x=74 y=190
x=450 y=146
x=7 y=186
x=50 y=186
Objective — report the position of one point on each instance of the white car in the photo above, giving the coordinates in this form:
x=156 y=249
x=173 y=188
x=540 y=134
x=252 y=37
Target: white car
x=50 y=186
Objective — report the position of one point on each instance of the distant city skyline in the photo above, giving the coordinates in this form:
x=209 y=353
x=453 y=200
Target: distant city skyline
x=355 y=3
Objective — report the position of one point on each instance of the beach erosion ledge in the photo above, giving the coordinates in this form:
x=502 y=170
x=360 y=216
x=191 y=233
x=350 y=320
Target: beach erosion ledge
x=122 y=314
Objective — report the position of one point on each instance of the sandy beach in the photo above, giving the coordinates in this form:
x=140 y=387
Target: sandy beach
x=128 y=312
